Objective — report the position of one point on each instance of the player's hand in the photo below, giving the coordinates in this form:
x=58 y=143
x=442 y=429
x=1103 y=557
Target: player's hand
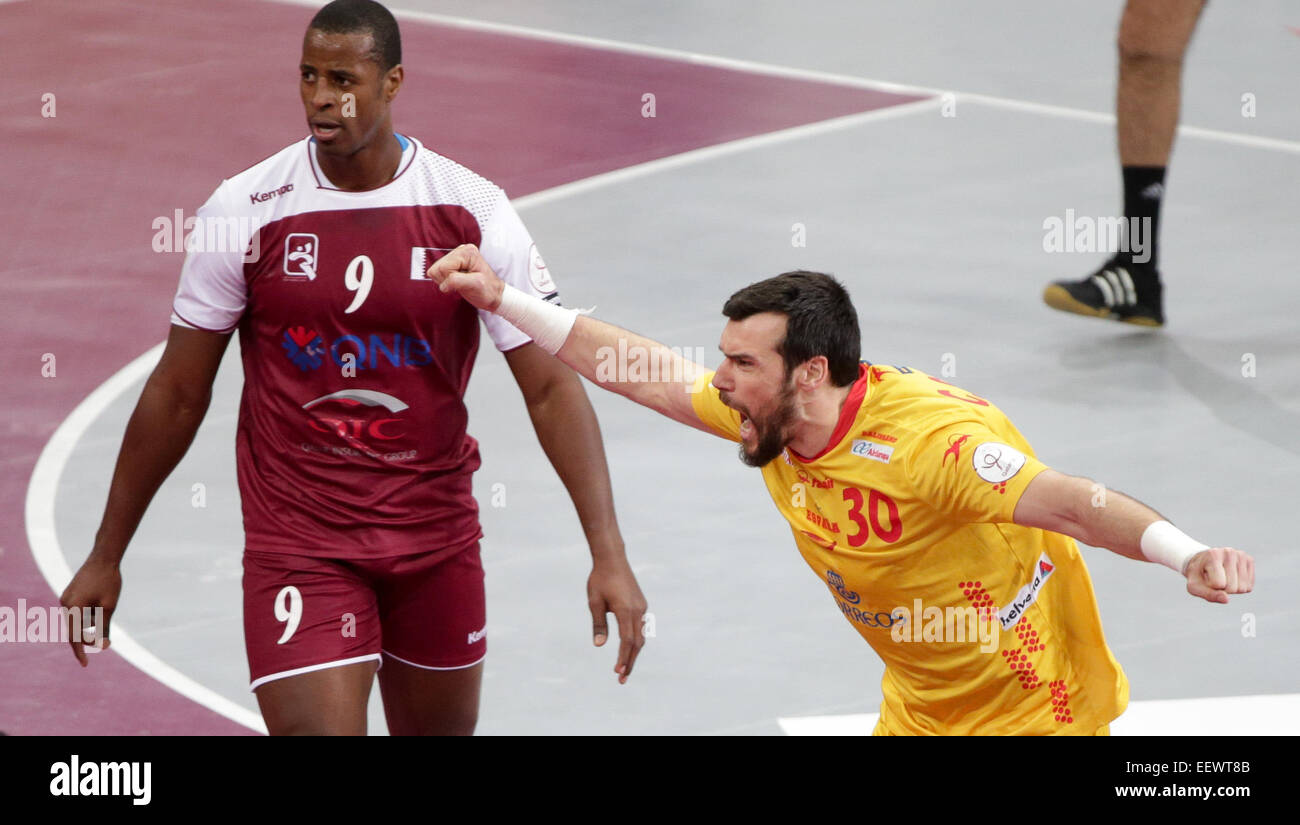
x=97 y=584
x=1214 y=573
x=612 y=588
x=464 y=272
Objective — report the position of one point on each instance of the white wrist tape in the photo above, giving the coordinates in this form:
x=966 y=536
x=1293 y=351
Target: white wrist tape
x=1164 y=543
x=547 y=324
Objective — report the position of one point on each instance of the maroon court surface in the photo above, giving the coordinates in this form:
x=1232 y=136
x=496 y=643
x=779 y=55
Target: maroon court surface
x=155 y=101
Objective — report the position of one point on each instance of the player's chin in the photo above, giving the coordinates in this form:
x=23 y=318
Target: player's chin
x=762 y=451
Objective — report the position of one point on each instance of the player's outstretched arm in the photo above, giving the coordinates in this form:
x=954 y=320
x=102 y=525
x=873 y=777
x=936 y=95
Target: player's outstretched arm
x=168 y=414
x=589 y=346
x=1087 y=511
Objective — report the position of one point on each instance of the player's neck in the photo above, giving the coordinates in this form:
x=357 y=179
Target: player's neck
x=818 y=419
x=370 y=167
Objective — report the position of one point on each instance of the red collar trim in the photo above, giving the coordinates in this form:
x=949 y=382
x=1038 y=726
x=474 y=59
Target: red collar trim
x=847 y=415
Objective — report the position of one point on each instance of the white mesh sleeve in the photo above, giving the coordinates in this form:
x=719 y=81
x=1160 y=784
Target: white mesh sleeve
x=509 y=250
x=212 y=292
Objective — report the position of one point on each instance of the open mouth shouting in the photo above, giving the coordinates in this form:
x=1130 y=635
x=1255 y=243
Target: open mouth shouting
x=325 y=130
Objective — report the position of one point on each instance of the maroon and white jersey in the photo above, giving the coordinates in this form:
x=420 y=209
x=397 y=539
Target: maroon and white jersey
x=351 y=440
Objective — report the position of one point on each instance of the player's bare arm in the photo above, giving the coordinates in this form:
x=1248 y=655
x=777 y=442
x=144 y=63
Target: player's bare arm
x=567 y=429
x=168 y=414
x=1082 y=509
x=464 y=271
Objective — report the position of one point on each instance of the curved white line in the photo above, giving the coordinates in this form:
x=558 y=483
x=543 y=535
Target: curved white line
x=41 y=533
x=44 y=540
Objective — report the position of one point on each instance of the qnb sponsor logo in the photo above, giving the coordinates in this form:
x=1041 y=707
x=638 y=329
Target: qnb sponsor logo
x=356 y=417
x=1028 y=594
x=263 y=197
x=77 y=778
x=307 y=350
x=952 y=624
x=61 y=625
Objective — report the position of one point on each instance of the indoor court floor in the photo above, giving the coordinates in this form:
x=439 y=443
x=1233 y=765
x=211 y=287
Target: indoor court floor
x=915 y=148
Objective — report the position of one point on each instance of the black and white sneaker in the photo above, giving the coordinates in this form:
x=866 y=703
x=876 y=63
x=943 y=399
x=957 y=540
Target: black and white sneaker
x=1122 y=291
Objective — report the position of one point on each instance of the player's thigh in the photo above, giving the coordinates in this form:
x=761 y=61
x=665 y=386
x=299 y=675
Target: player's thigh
x=422 y=702
x=433 y=613
x=1158 y=29
x=313 y=638
x=328 y=702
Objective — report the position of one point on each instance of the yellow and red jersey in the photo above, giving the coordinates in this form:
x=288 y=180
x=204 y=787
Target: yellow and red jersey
x=984 y=626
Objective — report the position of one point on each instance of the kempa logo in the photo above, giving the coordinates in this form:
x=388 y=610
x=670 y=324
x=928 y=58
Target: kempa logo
x=263 y=197
x=77 y=778
x=476 y=635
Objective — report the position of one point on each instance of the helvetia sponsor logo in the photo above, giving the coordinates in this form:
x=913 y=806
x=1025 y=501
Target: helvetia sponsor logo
x=1028 y=594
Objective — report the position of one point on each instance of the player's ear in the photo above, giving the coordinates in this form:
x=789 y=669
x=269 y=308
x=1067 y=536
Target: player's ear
x=393 y=82
x=812 y=373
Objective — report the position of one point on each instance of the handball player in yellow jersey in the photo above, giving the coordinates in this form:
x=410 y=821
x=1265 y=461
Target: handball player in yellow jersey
x=942 y=538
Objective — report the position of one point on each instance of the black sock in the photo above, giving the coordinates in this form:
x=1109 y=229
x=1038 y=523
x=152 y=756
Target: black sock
x=1144 y=189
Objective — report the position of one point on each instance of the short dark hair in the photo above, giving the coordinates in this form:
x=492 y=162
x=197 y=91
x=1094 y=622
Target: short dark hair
x=355 y=16
x=820 y=320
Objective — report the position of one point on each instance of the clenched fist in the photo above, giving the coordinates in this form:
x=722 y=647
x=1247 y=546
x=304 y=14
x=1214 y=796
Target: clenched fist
x=464 y=272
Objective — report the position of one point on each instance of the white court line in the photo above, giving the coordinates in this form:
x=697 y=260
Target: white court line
x=43 y=538
x=718 y=150
x=41 y=490
x=1270 y=715
x=39 y=516
x=715 y=61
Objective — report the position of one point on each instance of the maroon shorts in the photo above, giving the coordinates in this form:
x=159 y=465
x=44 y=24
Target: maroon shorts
x=303 y=613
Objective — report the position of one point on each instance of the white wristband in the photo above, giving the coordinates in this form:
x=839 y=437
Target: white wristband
x=1165 y=544
x=547 y=324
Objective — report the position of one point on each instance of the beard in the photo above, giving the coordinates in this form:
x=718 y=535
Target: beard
x=772 y=432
